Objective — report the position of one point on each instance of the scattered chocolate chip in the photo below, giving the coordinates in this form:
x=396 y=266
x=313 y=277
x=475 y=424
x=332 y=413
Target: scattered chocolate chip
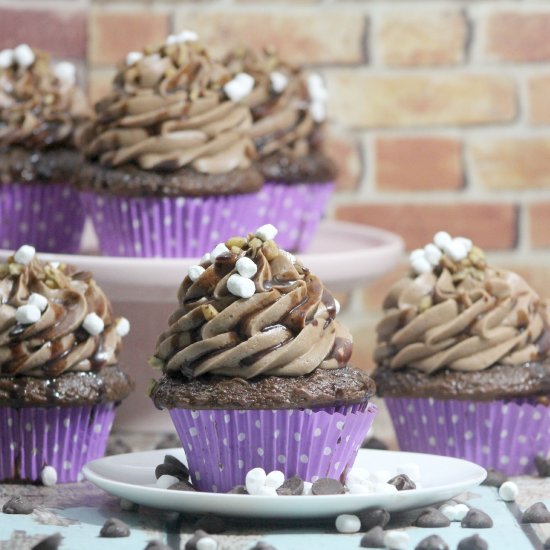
x=238 y=490
x=536 y=513
x=262 y=545
x=402 y=482
x=172 y=467
x=373 y=538
x=156 y=545
x=169 y=441
x=117 y=446
x=475 y=542
x=546 y=545
x=327 y=486
x=49 y=543
x=543 y=466
x=494 y=478
x=211 y=524
x=373 y=517
x=432 y=542
x=476 y=519
x=374 y=443
x=18 y=505
x=182 y=486
x=291 y=486
x=191 y=544
x=432 y=517
x=114 y=528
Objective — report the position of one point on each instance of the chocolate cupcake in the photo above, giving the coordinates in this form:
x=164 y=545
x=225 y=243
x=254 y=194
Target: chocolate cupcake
x=256 y=369
x=40 y=108
x=288 y=110
x=59 y=374
x=463 y=359
x=170 y=162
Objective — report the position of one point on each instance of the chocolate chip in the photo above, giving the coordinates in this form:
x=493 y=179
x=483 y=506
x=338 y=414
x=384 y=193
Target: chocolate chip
x=262 y=545
x=374 y=443
x=402 y=482
x=327 y=486
x=182 y=486
x=211 y=524
x=495 y=478
x=172 y=467
x=238 y=490
x=373 y=538
x=432 y=542
x=536 y=513
x=156 y=545
x=117 y=446
x=169 y=441
x=543 y=466
x=373 y=517
x=18 y=505
x=475 y=542
x=476 y=519
x=114 y=528
x=191 y=544
x=291 y=486
x=49 y=543
x=432 y=517
x=546 y=545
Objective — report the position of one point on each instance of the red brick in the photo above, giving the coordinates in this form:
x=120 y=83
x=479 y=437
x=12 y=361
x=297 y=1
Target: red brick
x=539 y=217
x=489 y=225
x=418 y=37
x=345 y=150
x=60 y=32
x=539 y=106
x=300 y=36
x=511 y=163
x=361 y=99
x=418 y=164
x=114 y=34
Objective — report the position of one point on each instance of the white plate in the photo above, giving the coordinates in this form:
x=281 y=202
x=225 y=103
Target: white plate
x=132 y=476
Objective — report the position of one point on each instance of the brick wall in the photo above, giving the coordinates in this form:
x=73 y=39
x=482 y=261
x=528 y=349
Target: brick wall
x=442 y=106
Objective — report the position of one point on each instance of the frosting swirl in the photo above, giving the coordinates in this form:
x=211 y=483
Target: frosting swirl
x=461 y=315
x=40 y=106
x=286 y=327
x=167 y=110
x=73 y=331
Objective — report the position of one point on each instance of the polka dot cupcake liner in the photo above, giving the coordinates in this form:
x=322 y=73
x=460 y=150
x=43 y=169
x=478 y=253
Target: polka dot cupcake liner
x=296 y=210
x=222 y=446
x=63 y=437
x=505 y=434
x=48 y=216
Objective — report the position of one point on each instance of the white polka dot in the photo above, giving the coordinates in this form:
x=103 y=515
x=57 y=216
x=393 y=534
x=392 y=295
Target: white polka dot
x=308 y=412
x=468 y=435
x=56 y=448
x=124 y=206
x=260 y=451
x=10 y=422
x=137 y=247
x=241 y=436
x=304 y=459
x=196 y=414
x=18 y=206
x=207 y=442
x=66 y=193
x=34 y=451
x=451 y=441
x=297 y=436
x=84 y=448
x=281 y=459
x=193 y=431
x=276 y=433
x=136 y=224
x=431 y=441
x=410 y=408
x=521 y=413
x=214 y=488
x=205 y=220
x=537 y=415
x=504 y=409
x=258 y=424
x=66 y=465
x=167 y=220
x=336 y=465
x=327 y=451
x=244 y=412
x=98 y=428
x=454 y=418
x=28 y=426
x=347 y=438
x=226 y=418
x=189 y=446
x=431 y=401
x=317 y=432
x=472 y=407
x=485 y=449
x=401 y=419
x=75 y=438
x=522 y=438
x=340 y=425
x=441 y=420
x=36 y=207
x=240 y=463
x=524 y=461
x=504 y=459
x=197 y=476
x=415 y=433
x=13 y=445
x=503 y=434
x=424 y=419
x=487 y=423
x=67 y=422
x=225 y=442
x=180 y=201
x=212 y=419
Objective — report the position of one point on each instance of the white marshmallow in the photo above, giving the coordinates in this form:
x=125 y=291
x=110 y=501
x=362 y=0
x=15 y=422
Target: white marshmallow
x=508 y=491
x=206 y=258
x=27 y=314
x=357 y=475
x=246 y=267
x=55 y=265
x=347 y=523
x=41 y=302
x=24 y=56
x=384 y=488
x=316 y=87
x=206 y=543
x=24 y=254
x=318 y=110
x=122 y=327
x=255 y=480
x=417 y=253
x=219 y=249
x=380 y=476
x=360 y=488
x=432 y=254
x=410 y=469
x=239 y=87
x=48 y=476
x=165 y=481
x=266 y=491
x=396 y=540
x=441 y=239
x=93 y=324
x=337 y=306
x=275 y=479
x=421 y=265
x=288 y=255
x=456 y=250
x=195 y=271
x=66 y=73
x=241 y=286
x=279 y=81
x=454 y=512
x=133 y=57
x=467 y=243
x=307 y=488
x=183 y=36
x=266 y=232
x=6 y=59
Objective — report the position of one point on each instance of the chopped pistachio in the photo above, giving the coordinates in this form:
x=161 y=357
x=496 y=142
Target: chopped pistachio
x=255 y=243
x=151 y=387
x=209 y=311
x=239 y=242
x=156 y=363
x=15 y=269
x=425 y=303
x=270 y=250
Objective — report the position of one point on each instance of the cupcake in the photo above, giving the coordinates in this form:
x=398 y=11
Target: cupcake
x=170 y=163
x=288 y=110
x=40 y=109
x=59 y=376
x=255 y=369
x=463 y=361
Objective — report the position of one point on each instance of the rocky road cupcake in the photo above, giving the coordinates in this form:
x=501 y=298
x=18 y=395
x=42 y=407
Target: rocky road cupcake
x=40 y=108
x=463 y=359
x=59 y=374
x=170 y=167
x=288 y=110
x=256 y=369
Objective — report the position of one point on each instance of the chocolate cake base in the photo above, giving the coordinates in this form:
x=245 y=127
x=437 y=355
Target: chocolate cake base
x=320 y=388
x=312 y=168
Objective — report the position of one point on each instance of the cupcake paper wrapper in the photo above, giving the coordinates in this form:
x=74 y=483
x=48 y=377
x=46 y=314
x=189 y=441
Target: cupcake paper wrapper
x=48 y=216
x=506 y=435
x=63 y=437
x=222 y=446
x=295 y=209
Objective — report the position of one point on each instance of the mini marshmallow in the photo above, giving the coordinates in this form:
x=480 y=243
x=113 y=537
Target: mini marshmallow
x=122 y=327
x=508 y=491
x=348 y=523
x=316 y=87
x=396 y=540
x=337 y=306
x=206 y=543
x=279 y=81
x=421 y=265
x=246 y=267
x=360 y=488
x=432 y=254
x=417 y=253
x=357 y=475
x=24 y=56
x=442 y=239
x=165 y=481
x=41 y=302
x=48 y=476
x=239 y=87
x=219 y=249
x=24 y=254
x=195 y=271
x=307 y=488
x=93 y=324
x=456 y=250
x=133 y=57
x=275 y=479
x=380 y=476
x=65 y=72
x=206 y=258
x=266 y=491
x=255 y=480
x=27 y=314
x=183 y=36
x=454 y=512
x=241 y=286
x=266 y=232
x=384 y=488
x=318 y=111
x=55 y=265
x=467 y=243
x=410 y=469
x=6 y=59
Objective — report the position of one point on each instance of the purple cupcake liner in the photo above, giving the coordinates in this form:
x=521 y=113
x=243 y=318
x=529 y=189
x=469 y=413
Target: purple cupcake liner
x=223 y=445
x=48 y=216
x=505 y=434
x=63 y=437
x=295 y=209
x=168 y=227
